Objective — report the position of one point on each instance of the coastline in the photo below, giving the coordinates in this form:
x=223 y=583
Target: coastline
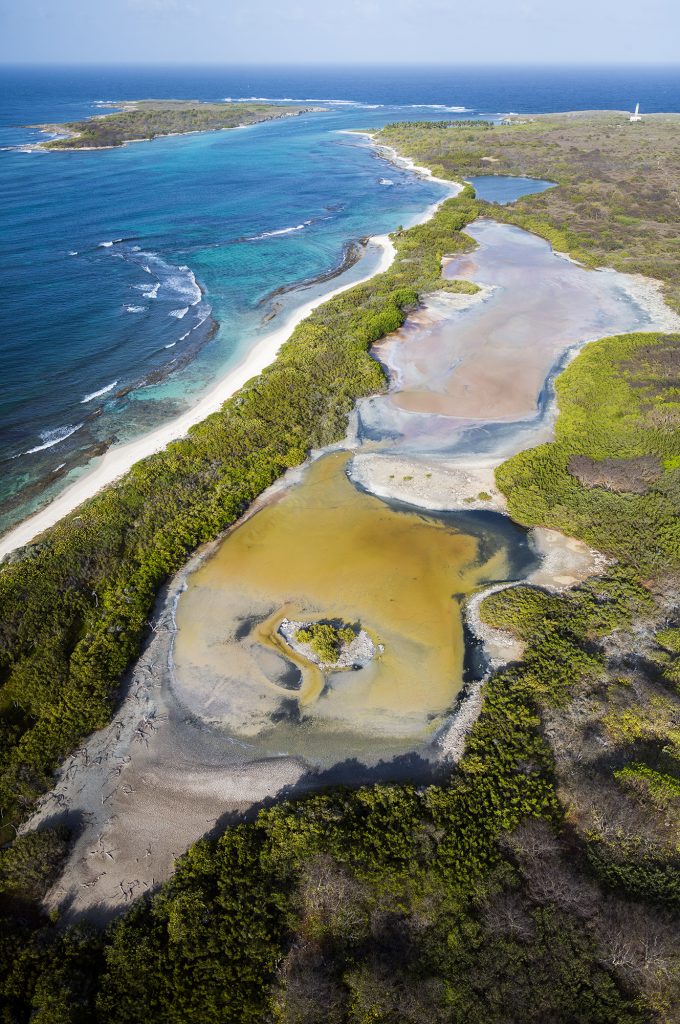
x=155 y=750
x=61 y=131
x=118 y=460
x=403 y=161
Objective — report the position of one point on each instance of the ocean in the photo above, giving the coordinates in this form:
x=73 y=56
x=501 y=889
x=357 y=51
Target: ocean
x=133 y=278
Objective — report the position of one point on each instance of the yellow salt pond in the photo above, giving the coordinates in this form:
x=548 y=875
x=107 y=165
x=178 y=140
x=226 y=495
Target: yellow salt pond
x=326 y=550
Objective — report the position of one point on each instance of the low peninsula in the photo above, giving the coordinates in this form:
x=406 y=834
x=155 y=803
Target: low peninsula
x=143 y=120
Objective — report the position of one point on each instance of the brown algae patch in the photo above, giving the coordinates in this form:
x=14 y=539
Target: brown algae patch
x=328 y=551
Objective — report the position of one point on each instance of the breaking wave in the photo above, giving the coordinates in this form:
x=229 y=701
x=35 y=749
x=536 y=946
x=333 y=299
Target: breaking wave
x=280 y=231
x=98 y=394
x=51 y=437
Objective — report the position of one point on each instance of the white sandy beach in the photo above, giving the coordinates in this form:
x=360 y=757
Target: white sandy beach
x=118 y=460
x=157 y=778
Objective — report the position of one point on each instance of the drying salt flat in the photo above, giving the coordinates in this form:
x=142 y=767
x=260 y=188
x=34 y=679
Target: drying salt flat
x=176 y=759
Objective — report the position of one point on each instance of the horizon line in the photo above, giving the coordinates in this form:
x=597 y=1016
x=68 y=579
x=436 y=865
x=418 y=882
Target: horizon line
x=299 y=65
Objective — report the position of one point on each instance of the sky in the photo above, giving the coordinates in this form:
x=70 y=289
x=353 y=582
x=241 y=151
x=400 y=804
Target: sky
x=339 y=31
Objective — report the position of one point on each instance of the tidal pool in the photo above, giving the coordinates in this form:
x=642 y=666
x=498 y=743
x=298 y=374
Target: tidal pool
x=325 y=549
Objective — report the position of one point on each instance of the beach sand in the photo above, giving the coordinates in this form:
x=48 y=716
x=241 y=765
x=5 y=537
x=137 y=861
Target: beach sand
x=156 y=779
x=118 y=460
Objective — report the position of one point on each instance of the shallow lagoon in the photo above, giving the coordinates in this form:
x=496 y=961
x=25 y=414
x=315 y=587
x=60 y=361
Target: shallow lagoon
x=325 y=549
x=485 y=365
x=504 y=188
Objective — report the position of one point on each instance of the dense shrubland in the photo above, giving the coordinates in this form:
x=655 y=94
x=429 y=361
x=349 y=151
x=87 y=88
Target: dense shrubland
x=149 y=119
x=385 y=904
x=325 y=639
x=619 y=404
x=75 y=606
x=538 y=883
x=617 y=204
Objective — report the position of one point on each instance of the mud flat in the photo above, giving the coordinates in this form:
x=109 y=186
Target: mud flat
x=214 y=719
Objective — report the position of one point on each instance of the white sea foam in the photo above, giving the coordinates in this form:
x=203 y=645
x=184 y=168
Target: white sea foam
x=149 y=291
x=262 y=99
x=183 y=338
x=179 y=313
x=135 y=309
x=191 y=286
x=307 y=99
x=440 y=106
x=183 y=286
x=280 y=231
x=72 y=252
x=107 y=245
x=386 y=181
x=171 y=345
x=51 y=437
x=98 y=394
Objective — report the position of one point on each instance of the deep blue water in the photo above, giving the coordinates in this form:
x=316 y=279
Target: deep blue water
x=204 y=227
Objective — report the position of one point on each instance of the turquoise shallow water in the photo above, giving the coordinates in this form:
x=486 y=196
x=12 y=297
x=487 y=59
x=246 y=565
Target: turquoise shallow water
x=100 y=342
x=149 y=270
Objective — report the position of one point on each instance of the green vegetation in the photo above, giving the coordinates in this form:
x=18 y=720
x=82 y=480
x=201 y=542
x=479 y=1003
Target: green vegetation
x=75 y=607
x=326 y=640
x=617 y=201
x=619 y=403
x=385 y=904
x=539 y=881
x=438 y=126
x=149 y=119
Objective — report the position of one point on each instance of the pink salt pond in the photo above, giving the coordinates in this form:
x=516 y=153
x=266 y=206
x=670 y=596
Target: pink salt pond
x=489 y=362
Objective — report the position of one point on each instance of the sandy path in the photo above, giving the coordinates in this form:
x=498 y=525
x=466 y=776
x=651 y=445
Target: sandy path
x=140 y=791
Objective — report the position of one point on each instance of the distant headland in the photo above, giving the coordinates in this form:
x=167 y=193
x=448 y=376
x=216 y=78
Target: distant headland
x=143 y=120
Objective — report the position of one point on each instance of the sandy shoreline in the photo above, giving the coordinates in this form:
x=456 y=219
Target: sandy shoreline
x=406 y=162
x=154 y=780
x=118 y=460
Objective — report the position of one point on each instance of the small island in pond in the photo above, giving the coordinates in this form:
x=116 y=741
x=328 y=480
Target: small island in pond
x=142 y=120
x=328 y=645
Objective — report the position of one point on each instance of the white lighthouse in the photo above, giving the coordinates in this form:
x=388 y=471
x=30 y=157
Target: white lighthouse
x=637 y=116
